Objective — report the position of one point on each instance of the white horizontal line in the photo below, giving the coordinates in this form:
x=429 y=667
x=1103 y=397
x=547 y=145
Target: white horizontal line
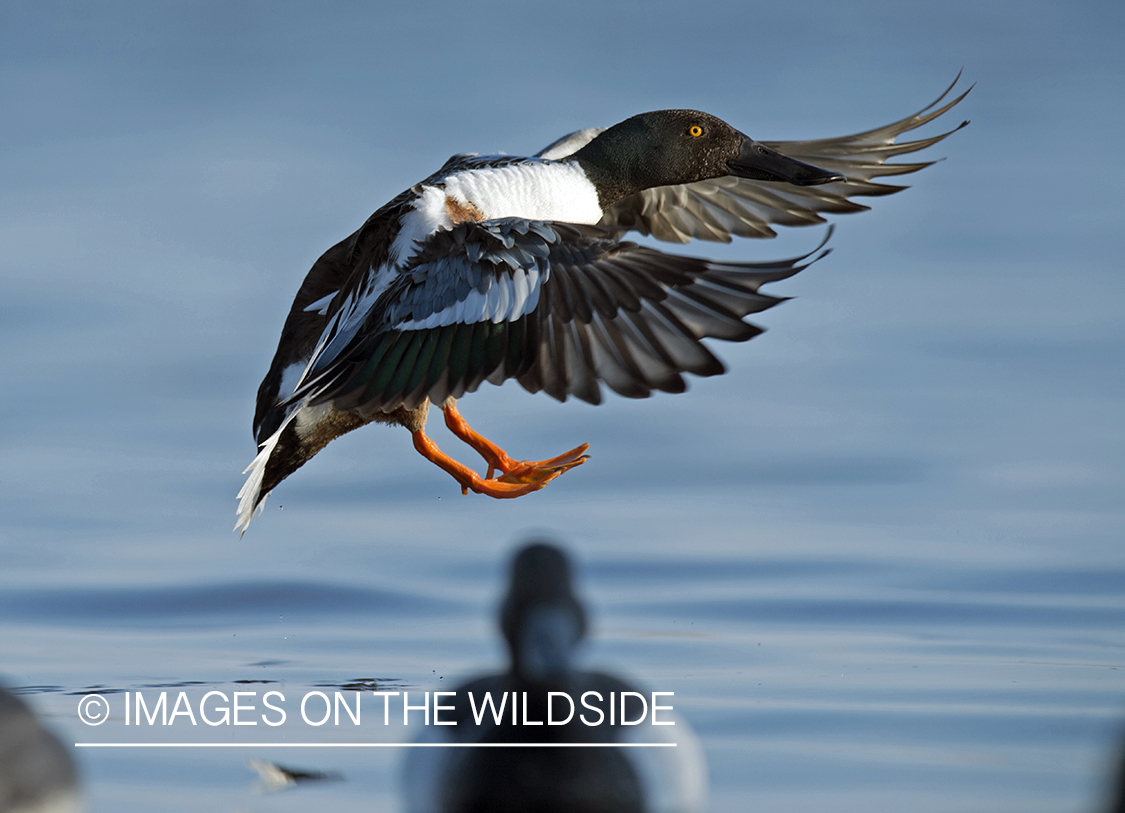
x=375 y=745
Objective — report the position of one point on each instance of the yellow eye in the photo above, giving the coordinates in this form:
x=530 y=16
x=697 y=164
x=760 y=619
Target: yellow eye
x=696 y=131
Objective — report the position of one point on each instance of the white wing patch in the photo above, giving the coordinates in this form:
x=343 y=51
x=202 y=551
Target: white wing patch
x=508 y=298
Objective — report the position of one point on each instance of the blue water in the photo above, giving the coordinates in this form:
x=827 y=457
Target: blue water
x=880 y=562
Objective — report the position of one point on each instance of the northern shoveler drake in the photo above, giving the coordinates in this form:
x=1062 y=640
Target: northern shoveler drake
x=543 y=624
x=500 y=267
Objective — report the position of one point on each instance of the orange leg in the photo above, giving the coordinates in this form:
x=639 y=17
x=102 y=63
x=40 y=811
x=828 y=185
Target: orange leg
x=514 y=471
x=498 y=488
x=493 y=455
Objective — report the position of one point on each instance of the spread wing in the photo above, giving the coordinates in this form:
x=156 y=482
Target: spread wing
x=560 y=307
x=721 y=208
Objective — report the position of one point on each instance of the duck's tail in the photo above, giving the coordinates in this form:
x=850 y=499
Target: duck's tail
x=251 y=500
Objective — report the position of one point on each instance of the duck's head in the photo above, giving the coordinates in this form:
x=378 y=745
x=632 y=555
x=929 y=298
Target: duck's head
x=668 y=147
x=541 y=618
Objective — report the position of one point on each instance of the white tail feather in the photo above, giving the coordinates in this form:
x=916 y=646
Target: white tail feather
x=248 y=496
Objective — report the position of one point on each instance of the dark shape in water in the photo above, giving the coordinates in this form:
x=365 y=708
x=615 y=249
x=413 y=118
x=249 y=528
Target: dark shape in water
x=278 y=777
x=36 y=771
x=543 y=622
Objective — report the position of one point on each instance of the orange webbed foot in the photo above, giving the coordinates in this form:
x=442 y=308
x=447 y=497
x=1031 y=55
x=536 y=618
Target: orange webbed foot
x=524 y=476
x=516 y=478
x=541 y=471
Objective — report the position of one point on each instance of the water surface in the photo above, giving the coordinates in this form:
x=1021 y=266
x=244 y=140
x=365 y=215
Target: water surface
x=879 y=563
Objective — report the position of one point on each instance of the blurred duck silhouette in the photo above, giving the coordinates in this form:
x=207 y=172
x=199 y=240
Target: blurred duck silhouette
x=543 y=623
x=1117 y=799
x=36 y=772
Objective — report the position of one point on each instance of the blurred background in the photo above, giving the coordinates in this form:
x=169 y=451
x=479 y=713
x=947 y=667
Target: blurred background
x=879 y=562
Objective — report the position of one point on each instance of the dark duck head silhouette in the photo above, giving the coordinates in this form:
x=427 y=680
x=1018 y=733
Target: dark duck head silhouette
x=574 y=755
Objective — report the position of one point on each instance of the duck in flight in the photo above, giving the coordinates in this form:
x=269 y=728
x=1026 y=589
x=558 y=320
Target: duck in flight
x=502 y=267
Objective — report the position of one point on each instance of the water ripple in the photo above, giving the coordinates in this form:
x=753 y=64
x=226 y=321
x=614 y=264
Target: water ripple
x=232 y=604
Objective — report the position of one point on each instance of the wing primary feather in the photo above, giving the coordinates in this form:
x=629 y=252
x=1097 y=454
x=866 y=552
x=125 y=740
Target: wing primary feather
x=397 y=383
x=548 y=368
x=651 y=360
x=585 y=384
x=360 y=378
x=495 y=346
x=420 y=367
x=612 y=363
x=688 y=352
x=376 y=388
x=460 y=347
x=618 y=287
x=589 y=283
x=439 y=362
